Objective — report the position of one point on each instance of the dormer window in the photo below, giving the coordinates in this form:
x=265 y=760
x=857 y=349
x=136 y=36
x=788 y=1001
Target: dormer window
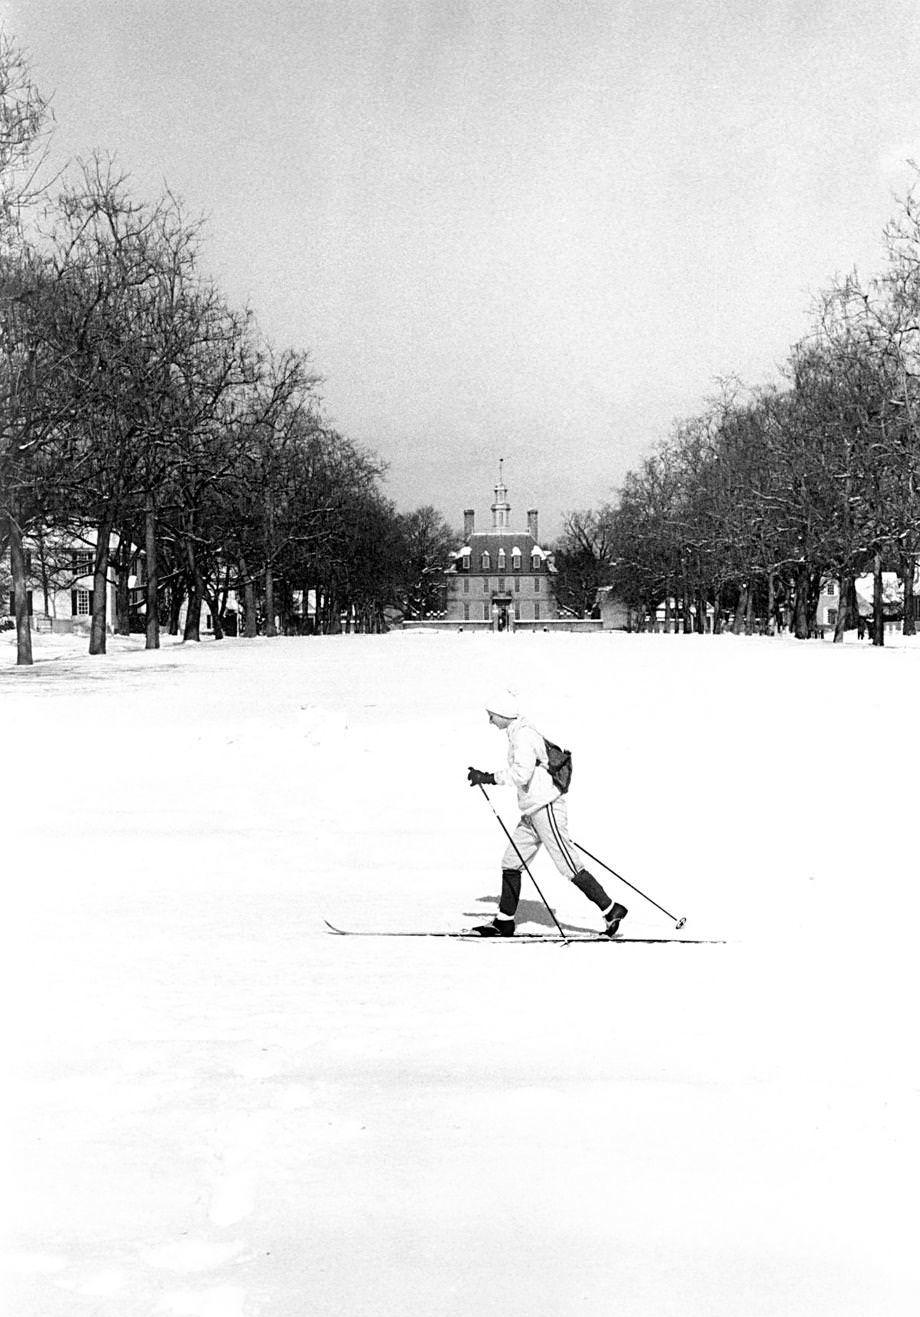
x=535 y=561
x=485 y=562
x=501 y=560
x=465 y=563
x=515 y=560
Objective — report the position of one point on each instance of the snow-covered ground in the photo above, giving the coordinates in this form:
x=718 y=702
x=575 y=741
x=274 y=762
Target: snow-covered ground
x=216 y=1108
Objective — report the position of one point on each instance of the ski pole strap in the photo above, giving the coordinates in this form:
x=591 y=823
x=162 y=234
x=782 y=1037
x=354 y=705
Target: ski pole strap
x=584 y=850
x=523 y=861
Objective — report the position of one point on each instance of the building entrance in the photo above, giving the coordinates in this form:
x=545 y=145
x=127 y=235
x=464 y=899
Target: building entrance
x=502 y=613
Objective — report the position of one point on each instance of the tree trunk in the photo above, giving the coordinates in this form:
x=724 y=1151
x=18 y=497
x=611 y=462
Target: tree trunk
x=908 y=571
x=700 y=626
x=843 y=610
x=176 y=595
x=213 y=602
x=304 y=590
x=749 y=612
x=853 y=618
x=285 y=597
x=20 y=593
x=878 y=614
x=771 y=605
x=150 y=545
x=100 y=589
x=801 y=602
x=250 y=621
x=122 y=589
x=270 y=628
x=814 y=595
x=251 y=628
x=192 y=630
x=740 y=610
x=43 y=567
x=195 y=587
x=221 y=598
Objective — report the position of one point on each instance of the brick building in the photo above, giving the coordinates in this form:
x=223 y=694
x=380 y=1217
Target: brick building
x=500 y=576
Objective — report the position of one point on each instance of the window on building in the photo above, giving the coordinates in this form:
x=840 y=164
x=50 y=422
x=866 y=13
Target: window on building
x=501 y=560
x=517 y=583
x=534 y=562
x=466 y=585
x=832 y=617
x=501 y=585
x=536 y=584
x=485 y=562
x=82 y=603
x=485 y=612
x=465 y=562
x=485 y=585
x=81 y=562
x=832 y=588
x=536 y=612
x=515 y=560
x=466 y=612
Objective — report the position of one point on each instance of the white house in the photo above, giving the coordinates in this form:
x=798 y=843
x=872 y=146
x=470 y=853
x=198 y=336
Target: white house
x=60 y=581
x=829 y=598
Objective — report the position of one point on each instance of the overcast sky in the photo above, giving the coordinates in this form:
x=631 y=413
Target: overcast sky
x=506 y=228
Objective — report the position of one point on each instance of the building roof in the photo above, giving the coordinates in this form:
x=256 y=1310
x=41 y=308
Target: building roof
x=493 y=541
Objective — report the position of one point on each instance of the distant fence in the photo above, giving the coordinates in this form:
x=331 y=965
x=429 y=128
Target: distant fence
x=524 y=624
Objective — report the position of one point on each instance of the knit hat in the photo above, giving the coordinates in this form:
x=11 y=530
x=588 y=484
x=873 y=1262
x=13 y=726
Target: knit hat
x=503 y=701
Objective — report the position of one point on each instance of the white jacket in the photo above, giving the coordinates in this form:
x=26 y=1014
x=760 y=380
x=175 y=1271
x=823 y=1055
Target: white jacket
x=527 y=769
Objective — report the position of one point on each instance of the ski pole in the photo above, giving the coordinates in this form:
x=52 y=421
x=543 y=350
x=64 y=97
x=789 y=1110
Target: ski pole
x=584 y=850
x=523 y=862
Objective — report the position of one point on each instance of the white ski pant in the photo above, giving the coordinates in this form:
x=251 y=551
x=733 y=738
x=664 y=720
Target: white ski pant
x=547 y=827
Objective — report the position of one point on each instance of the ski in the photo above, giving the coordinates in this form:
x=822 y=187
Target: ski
x=469 y=936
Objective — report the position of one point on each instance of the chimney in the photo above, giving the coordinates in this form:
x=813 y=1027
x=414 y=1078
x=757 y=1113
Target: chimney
x=468 y=525
x=532 y=524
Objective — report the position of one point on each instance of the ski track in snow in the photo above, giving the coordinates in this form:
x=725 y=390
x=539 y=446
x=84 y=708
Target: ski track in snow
x=214 y=1108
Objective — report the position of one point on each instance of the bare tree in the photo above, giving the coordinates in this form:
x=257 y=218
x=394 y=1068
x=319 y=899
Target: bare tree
x=24 y=116
x=422 y=559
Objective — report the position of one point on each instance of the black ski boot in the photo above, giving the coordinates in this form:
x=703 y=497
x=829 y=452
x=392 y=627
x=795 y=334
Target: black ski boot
x=497 y=928
x=612 y=919
x=591 y=888
x=503 y=923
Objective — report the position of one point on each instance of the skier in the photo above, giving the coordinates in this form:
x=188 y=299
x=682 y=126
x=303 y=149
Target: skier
x=543 y=822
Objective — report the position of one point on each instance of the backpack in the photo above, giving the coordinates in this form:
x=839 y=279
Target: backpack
x=559 y=765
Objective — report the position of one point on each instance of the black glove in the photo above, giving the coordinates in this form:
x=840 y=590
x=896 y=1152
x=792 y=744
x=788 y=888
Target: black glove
x=477 y=778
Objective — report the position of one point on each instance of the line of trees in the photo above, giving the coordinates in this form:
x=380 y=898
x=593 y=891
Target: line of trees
x=135 y=401
x=754 y=502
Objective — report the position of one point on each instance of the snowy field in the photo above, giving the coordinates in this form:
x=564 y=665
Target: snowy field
x=214 y=1108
